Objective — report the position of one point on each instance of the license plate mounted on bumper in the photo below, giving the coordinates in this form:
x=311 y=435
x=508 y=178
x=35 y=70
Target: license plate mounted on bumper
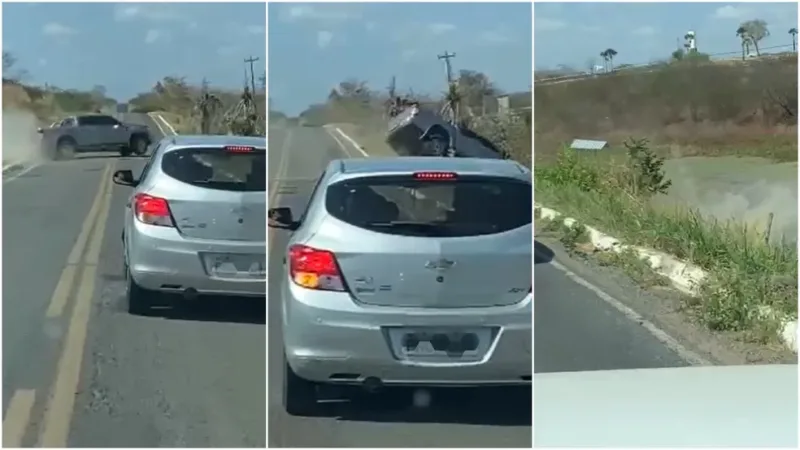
x=235 y=266
x=440 y=345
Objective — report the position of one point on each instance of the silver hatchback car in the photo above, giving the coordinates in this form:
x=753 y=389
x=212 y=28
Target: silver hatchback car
x=408 y=272
x=195 y=223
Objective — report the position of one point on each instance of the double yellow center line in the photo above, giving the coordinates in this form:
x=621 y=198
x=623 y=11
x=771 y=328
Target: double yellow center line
x=60 y=404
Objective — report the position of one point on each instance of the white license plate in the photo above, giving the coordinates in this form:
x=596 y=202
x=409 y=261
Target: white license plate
x=240 y=266
x=424 y=346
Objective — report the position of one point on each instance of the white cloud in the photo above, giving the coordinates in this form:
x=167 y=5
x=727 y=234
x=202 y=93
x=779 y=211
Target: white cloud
x=322 y=13
x=545 y=24
x=408 y=54
x=645 y=30
x=732 y=12
x=255 y=29
x=495 y=37
x=152 y=36
x=441 y=28
x=324 y=38
x=57 y=29
x=227 y=50
x=590 y=28
x=149 y=11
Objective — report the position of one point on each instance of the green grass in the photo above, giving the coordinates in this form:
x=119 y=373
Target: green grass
x=748 y=274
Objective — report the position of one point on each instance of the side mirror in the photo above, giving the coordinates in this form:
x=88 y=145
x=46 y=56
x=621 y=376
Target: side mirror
x=124 y=178
x=281 y=218
x=40 y=130
x=116 y=126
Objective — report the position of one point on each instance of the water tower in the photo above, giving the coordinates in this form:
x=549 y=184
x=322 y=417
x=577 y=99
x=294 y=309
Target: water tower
x=690 y=42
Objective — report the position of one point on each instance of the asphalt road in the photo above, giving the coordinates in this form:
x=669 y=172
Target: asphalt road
x=78 y=370
x=483 y=418
x=578 y=328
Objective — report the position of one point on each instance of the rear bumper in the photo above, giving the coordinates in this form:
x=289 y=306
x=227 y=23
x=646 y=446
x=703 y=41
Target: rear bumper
x=329 y=338
x=160 y=259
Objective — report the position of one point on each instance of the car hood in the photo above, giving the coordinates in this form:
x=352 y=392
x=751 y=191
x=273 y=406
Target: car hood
x=719 y=406
x=135 y=125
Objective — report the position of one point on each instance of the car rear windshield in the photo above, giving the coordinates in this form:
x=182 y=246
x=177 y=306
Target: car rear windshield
x=402 y=205
x=215 y=168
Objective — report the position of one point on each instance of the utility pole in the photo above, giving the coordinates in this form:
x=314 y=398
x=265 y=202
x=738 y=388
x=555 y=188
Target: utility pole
x=448 y=69
x=251 y=60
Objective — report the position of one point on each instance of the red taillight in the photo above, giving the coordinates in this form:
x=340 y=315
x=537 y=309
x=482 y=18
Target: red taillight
x=152 y=210
x=435 y=176
x=312 y=268
x=239 y=149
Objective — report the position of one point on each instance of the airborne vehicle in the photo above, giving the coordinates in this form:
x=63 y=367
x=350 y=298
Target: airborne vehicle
x=417 y=131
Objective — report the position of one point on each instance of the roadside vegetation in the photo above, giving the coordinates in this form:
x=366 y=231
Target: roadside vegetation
x=45 y=102
x=753 y=286
x=194 y=109
x=353 y=101
x=687 y=105
x=690 y=107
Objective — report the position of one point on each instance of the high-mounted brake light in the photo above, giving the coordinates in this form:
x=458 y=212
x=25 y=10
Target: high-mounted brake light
x=435 y=175
x=312 y=268
x=239 y=149
x=152 y=210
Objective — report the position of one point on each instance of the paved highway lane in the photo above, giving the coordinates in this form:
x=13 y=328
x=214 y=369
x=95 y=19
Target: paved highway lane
x=456 y=418
x=579 y=327
x=78 y=370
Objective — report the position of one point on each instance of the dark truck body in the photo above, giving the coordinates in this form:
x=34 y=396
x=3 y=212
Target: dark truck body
x=418 y=131
x=95 y=132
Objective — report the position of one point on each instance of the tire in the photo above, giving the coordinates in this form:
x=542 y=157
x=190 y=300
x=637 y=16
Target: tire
x=65 y=148
x=138 y=145
x=139 y=299
x=299 y=395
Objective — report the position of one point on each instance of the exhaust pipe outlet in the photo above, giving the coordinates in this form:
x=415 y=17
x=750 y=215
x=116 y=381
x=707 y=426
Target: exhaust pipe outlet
x=372 y=384
x=190 y=294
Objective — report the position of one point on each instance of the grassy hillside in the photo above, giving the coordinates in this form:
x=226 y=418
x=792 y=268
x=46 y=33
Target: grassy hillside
x=685 y=108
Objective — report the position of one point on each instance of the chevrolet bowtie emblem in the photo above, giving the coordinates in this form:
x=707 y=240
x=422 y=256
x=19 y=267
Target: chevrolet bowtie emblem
x=440 y=264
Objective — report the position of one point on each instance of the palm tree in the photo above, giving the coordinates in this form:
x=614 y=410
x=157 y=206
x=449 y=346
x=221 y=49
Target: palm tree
x=207 y=104
x=742 y=34
x=756 y=30
x=793 y=32
x=608 y=58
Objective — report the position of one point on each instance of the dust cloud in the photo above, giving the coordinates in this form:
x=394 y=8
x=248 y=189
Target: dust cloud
x=21 y=141
x=745 y=190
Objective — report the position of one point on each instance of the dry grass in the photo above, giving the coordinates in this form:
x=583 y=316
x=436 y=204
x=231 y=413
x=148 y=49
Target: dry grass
x=685 y=109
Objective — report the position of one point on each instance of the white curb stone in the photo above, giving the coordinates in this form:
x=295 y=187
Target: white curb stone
x=684 y=276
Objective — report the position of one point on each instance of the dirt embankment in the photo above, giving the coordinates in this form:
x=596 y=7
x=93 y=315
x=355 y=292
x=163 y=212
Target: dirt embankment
x=686 y=109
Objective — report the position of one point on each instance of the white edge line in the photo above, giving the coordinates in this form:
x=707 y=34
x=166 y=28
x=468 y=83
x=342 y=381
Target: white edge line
x=20 y=173
x=352 y=141
x=158 y=118
x=661 y=335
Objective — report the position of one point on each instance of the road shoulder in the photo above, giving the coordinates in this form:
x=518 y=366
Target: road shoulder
x=663 y=308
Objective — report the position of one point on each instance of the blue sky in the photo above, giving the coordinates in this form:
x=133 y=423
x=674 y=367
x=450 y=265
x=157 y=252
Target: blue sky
x=312 y=47
x=574 y=33
x=127 y=47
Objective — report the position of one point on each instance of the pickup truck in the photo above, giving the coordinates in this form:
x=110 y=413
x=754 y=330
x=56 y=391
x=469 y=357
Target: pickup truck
x=94 y=132
x=417 y=131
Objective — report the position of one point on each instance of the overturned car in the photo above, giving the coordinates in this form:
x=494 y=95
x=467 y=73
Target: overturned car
x=416 y=131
